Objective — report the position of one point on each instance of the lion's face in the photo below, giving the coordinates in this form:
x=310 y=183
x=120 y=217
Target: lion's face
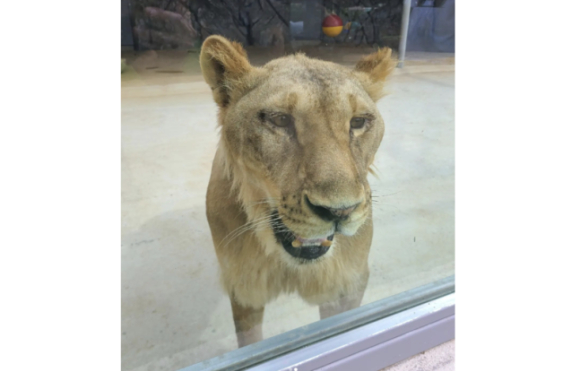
x=304 y=133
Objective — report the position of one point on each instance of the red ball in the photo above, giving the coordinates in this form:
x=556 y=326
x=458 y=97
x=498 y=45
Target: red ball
x=332 y=21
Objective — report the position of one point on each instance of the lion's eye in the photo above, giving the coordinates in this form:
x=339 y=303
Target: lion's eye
x=357 y=122
x=282 y=120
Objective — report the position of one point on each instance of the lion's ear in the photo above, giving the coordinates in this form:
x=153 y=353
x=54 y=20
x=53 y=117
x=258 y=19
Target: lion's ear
x=223 y=64
x=374 y=69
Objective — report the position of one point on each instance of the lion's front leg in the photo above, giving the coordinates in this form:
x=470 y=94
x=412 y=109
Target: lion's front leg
x=248 y=322
x=346 y=302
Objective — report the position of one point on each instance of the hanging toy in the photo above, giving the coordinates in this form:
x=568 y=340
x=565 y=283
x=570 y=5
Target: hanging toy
x=332 y=25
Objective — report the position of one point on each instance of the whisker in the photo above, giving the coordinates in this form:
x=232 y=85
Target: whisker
x=249 y=224
x=249 y=228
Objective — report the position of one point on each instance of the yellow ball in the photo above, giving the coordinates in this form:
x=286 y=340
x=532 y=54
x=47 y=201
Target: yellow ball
x=332 y=31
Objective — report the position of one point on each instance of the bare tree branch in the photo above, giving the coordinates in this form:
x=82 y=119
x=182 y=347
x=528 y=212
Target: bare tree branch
x=270 y=20
x=278 y=14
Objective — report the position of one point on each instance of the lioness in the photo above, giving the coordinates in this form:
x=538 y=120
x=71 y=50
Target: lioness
x=288 y=202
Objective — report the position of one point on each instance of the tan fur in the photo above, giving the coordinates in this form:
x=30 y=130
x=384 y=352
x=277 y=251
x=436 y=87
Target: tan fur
x=260 y=168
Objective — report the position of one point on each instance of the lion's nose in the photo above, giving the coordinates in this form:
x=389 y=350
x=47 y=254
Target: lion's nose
x=331 y=213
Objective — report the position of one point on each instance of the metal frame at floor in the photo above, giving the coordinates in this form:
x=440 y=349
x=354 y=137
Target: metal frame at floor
x=383 y=332
x=376 y=345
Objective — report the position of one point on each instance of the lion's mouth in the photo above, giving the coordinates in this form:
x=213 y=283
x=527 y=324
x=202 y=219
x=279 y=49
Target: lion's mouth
x=299 y=247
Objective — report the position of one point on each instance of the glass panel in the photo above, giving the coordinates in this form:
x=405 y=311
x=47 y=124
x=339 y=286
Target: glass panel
x=175 y=311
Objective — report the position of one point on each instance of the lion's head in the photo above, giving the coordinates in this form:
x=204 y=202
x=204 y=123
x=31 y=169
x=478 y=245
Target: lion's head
x=299 y=136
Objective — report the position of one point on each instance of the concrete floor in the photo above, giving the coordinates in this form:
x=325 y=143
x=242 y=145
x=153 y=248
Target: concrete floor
x=173 y=311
